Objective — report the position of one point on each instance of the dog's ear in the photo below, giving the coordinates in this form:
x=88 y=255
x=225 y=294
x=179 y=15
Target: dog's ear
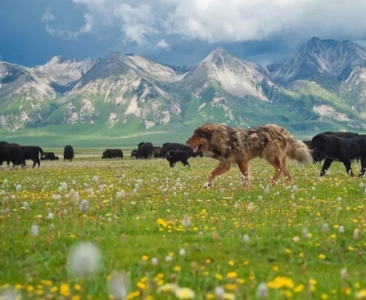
x=204 y=133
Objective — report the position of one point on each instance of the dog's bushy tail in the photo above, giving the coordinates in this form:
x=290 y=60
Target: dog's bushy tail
x=300 y=152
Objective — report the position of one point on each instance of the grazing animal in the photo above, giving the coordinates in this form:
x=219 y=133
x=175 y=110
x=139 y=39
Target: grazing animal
x=68 y=153
x=317 y=154
x=134 y=153
x=169 y=146
x=49 y=156
x=145 y=150
x=112 y=153
x=178 y=155
x=341 y=149
x=157 y=151
x=235 y=145
x=11 y=153
x=32 y=153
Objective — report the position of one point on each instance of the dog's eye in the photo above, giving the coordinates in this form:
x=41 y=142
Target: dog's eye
x=203 y=134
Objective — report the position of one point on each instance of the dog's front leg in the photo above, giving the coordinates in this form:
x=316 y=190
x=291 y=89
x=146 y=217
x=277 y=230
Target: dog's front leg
x=221 y=168
x=244 y=169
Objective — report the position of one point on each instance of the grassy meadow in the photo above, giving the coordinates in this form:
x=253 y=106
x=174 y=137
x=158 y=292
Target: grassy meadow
x=148 y=231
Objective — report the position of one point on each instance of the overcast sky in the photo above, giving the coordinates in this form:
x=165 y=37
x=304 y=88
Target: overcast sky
x=175 y=32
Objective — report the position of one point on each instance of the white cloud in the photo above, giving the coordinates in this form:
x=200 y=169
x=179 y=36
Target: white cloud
x=227 y=20
x=47 y=16
x=163 y=45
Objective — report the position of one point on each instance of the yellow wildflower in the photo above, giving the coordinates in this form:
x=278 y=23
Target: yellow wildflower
x=64 y=289
x=232 y=275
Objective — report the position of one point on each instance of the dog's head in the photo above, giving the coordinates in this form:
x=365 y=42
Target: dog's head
x=201 y=138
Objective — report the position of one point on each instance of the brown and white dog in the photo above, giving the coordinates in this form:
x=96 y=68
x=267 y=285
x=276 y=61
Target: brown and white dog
x=235 y=145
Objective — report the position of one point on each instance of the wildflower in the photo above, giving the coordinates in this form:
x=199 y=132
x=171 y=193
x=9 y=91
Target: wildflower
x=162 y=222
x=84 y=258
x=18 y=187
x=168 y=258
x=9 y=294
x=34 y=230
x=186 y=221
x=232 y=275
x=167 y=288
x=25 y=204
x=154 y=261
x=121 y=194
x=182 y=252
x=344 y=274
x=64 y=289
x=299 y=288
x=50 y=216
x=246 y=239
x=84 y=206
x=361 y=294
x=321 y=256
x=356 y=233
x=280 y=282
x=341 y=229
x=119 y=285
x=184 y=293
x=177 y=268
x=325 y=228
x=145 y=257
x=262 y=291
x=296 y=239
x=219 y=292
x=305 y=233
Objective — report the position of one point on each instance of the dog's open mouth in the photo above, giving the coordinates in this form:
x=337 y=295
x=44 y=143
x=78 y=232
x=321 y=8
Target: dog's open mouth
x=197 y=148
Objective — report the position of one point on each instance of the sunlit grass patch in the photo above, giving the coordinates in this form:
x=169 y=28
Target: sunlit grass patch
x=160 y=235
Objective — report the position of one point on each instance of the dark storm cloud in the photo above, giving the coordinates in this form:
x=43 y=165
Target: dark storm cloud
x=173 y=32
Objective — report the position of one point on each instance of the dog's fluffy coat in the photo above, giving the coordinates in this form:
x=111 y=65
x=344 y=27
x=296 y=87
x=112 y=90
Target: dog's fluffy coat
x=235 y=145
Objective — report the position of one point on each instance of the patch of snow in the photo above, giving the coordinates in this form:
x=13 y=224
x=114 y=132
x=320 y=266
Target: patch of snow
x=133 y=108
x=112 y=119
x=330 y=112
x=201 y=106
x=149 y=124
x=160 y=72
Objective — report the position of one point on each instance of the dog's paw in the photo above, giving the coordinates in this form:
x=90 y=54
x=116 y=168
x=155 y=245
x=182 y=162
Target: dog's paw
x=207 y=185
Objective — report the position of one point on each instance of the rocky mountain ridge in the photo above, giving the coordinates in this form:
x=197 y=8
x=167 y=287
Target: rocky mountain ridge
x=322 y=86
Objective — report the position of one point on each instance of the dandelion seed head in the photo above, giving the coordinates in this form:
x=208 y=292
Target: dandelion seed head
x=84 y=258
x=84 y=206
x=119 y=285
x=262 y=291
x=34 y=230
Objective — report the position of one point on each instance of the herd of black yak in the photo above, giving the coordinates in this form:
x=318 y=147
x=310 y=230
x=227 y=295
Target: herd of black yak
x=328 y=146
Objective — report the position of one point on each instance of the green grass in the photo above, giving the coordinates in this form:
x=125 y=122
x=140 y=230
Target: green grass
x=287 y=247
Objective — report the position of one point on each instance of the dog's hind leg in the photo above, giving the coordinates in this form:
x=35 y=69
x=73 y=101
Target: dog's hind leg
x=221 y=168
x=286 y=172
x=277 y=164
x=244 y=169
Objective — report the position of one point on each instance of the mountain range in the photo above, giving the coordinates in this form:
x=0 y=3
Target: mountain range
x=321 y=87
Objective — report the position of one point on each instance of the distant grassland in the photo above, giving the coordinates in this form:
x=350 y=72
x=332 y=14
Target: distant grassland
x=168 y=237
x=101 y=136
